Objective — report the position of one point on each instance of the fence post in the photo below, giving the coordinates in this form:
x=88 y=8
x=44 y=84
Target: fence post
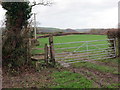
x=46 y=54
x=118 y=40
x=52 y=53
x=87 y=48
x=115 y=45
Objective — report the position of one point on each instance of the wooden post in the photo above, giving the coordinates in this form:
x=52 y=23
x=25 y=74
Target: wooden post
x=52 y=53
x=35 y=25
x=29 y=51
x=115 y=49
x=118 y=46
x=46 y=54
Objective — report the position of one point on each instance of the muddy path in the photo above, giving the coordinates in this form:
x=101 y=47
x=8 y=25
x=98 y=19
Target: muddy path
x=29 y=79
x=100 y=79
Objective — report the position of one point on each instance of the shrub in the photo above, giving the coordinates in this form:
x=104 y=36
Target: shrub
x=114 y=34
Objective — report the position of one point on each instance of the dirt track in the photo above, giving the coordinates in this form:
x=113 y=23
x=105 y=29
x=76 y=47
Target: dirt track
x=100 y=79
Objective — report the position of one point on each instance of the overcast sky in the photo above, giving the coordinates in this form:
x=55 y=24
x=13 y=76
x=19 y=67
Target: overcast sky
x=76 y=14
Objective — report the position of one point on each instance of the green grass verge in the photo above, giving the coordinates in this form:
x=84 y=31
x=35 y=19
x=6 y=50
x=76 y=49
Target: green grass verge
x=115 y=85
x=102 y=68
x=115 y=61
x=68 y=79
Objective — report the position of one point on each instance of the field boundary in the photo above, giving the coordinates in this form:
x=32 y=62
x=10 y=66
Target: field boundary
x=64 y=34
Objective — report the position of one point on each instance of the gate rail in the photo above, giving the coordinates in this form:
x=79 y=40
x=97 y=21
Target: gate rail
x=67 y=54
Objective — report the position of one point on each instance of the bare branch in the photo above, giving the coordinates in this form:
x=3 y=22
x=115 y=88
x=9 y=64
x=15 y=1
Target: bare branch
x=47 y=3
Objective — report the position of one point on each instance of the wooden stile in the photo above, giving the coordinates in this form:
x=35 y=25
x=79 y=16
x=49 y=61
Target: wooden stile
x=46 y=54
x=52 y=53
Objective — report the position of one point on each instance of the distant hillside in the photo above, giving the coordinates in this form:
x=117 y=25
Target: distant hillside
x=53 y=30
x=71 y=31
x=100 y=31
x=83 y=30
x=48 y=30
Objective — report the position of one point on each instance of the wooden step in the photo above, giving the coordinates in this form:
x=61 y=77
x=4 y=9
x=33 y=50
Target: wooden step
x=37 y=48
x=35 y=58
x=40 y=54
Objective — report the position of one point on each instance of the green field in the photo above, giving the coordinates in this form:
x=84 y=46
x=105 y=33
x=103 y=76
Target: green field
x=102 y=73
x=86 y=50
x=72 y=38
x=80 y=77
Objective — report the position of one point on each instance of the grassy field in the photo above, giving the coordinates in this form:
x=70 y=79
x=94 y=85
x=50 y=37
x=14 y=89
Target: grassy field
x=91 y=74
x=98 y=74
x=75 y=46
x=73 y=38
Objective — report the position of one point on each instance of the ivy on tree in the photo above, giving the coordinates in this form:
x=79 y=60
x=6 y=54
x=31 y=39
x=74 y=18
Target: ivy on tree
x=15 y=48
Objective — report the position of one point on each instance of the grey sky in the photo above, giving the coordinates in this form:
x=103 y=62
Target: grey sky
x=77 y=14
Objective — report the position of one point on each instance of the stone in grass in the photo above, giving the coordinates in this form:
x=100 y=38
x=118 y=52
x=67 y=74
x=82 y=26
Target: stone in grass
x=64 y=64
